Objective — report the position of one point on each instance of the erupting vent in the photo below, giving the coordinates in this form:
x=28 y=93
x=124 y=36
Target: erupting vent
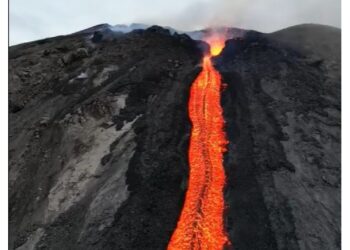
x=200 y=225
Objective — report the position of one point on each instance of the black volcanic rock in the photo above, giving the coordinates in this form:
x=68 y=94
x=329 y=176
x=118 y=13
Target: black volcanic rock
x=98 y=151
x=99 y=133
x=282 y=109
x=158 y=29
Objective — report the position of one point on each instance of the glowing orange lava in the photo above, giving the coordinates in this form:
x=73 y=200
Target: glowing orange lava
x=216 y=41
x=216 y=46
x=200 y=226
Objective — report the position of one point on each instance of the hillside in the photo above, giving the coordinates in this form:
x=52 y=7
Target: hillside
x=99 y=134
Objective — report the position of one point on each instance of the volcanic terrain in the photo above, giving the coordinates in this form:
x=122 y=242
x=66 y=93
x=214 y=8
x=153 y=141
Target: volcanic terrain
x=100 y=130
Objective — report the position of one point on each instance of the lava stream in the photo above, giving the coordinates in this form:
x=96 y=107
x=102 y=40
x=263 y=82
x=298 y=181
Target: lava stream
x=200 y=226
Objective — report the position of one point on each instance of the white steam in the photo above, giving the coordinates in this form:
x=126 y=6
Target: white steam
x=261 y=15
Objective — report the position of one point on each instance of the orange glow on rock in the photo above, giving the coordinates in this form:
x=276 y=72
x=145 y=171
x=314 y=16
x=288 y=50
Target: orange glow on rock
x=216 y=46
x=201 y=226
x=216 y=41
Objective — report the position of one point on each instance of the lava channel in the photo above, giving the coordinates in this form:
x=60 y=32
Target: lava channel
x=201 y=225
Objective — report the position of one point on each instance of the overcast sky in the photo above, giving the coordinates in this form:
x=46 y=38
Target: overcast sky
x=36 y=19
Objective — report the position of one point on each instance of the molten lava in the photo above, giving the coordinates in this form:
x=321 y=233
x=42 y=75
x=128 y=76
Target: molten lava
x=200 y=226
x=216 y=46
x=216 y=42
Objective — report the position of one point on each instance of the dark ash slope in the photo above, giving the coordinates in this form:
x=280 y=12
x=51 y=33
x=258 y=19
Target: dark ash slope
x=282 y=106
x=98 y=140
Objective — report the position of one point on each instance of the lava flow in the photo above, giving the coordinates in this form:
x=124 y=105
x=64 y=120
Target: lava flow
x=200 y=226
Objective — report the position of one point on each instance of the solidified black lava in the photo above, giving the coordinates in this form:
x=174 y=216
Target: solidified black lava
x=282 y=109
x=99 y=134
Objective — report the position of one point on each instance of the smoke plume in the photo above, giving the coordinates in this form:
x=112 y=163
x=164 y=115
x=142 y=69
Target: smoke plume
x=262 y=15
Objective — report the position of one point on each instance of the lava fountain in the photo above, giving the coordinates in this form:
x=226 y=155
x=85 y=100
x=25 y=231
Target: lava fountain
x=201 y=226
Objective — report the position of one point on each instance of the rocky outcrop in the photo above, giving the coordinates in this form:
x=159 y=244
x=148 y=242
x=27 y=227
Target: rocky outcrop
x=99 y=132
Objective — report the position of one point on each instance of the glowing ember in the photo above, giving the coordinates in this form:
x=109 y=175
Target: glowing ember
x=201 y=221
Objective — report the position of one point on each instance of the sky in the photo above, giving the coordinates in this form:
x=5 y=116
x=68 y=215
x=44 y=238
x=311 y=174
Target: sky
x=36 y=19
